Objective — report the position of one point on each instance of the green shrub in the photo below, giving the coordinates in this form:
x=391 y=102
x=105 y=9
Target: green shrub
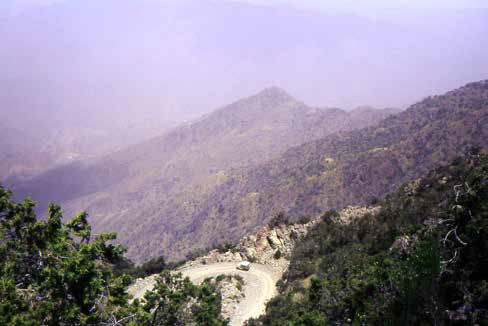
x=304 y=219
x=329 y=216
x=421 y=260
x=224 y=247
x=279 y=219
x=58 y=273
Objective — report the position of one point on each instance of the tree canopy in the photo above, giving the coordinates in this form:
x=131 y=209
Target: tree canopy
x=421 y=260
x=54 y=272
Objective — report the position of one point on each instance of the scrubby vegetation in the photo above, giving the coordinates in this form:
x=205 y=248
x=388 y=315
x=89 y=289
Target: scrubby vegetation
x=150 y=267
x=284 y=219
x=353 y=168
x=422 y=260
x=229 y=277
x=59 y=273
x=187 y=165
x=230 y=185
x=279 y=219
x=221 y=247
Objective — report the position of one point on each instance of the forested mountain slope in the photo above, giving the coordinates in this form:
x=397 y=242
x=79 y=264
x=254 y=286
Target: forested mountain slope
x=153 y=192
x=421 y=259
x=347 y=168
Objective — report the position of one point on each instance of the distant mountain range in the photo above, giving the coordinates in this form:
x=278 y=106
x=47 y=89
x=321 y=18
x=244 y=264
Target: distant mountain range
x=26 y=151
x=88 y=62
x=154 y=192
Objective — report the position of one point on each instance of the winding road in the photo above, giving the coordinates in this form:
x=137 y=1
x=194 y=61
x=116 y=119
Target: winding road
x=260 y=286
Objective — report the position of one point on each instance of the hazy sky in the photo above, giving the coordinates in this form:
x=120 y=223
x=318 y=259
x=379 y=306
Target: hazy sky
x=366 y=7
x=370 y=5
x=92 y=60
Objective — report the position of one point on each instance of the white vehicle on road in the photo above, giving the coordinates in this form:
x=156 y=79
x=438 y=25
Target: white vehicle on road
x=260 y=286
x=244 y=266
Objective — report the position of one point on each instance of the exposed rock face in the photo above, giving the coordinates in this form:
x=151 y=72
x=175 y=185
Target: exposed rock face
x=273 y=240
x=262 y=247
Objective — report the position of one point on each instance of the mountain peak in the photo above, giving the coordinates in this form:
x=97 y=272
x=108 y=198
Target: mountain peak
x=275 y=93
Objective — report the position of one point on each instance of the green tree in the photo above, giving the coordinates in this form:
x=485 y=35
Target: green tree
x=420 y=260
x=176 y=301
x=54 y=272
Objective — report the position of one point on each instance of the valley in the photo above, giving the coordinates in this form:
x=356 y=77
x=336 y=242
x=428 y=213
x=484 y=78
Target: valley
x=166 y=182
x=243 y=162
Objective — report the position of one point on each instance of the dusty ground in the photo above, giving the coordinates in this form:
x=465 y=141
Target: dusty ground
x=259 y=286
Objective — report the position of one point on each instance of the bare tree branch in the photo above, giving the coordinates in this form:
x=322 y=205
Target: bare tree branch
x=457 y=237
x=450 y=260
x=455 y=234
x=121 y=320
x=446 y=220
x=457 y=191
x=447 y=236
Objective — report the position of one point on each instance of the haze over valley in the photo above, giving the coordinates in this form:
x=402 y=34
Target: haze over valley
x=335 y=154
x=89 y=77
x=162 y=182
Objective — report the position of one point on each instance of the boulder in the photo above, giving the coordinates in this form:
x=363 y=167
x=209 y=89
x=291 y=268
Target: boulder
x=273 y=240
x=250 y=253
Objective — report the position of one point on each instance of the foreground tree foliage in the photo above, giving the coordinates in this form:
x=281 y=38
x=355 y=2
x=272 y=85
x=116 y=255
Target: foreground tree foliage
x=177 y=301
x=422 y=260
x=55 y=272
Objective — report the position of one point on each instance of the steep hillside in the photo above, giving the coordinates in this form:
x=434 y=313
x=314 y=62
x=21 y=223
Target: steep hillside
x=343 y=169
x=153 y=192
x=421 y=259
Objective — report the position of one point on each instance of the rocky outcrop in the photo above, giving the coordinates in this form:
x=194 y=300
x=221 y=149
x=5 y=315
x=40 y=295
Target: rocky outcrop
x=261 y=247
x=273 y=246
x=353 y=212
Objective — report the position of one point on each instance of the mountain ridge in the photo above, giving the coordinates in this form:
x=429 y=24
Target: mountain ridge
x=350 y=168
x=168 y=176
x=180 y=206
